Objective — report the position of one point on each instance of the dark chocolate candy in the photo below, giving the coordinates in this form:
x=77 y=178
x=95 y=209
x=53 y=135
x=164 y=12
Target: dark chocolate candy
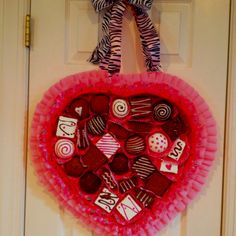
x=146 y=198
x=79 y=108
x=108 y=179
x=74 y=167
x=158 y=184
x=100 y=104
x=174 y=128
x=162 y=111
x=82 y=137
x=143 y=167
x=139 y=126
x=89 y=182
x=140 y=106
x=96 y=125
x=118 y=131
x=127 y=184
x=135 y=145
x=94 y=158
x=119 y=164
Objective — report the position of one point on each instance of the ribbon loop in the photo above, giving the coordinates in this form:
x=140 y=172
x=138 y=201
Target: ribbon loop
x=108 y=52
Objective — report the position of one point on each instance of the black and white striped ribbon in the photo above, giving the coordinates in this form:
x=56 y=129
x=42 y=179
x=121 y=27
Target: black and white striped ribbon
x=108 y=52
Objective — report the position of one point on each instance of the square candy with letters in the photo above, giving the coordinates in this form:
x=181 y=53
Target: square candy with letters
x=66 y=127
x=128 y=208
x=106 y=200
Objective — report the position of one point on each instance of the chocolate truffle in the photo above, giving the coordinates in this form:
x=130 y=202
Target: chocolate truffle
x=100 y=104
x=162 y=111
x=79 y=108
x=135 y=145
x=89 y=183
x=119 y=164
x=74 y=167
x=97 y=125
x=120 y=108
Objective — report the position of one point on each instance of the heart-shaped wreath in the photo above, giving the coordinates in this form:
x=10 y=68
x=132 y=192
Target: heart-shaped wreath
x=126 y=154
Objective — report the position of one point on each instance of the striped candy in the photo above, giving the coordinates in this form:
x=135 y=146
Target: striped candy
x=143 y=167
x=96 y=125
x=135 y=145
x=108 y=145
x=141 y=106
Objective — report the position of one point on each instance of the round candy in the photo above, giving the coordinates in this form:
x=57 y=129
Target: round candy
x=89 y=182
x=79 y=108
x=119 y=164
x=135 y=145
x=96 y=125
x=162 y=111
x=64 y=149
x=120 y=108
x=100 y=104
x=157 y=143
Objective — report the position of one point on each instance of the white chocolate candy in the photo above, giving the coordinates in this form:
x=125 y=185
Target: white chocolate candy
x=107 y=200
x=66 y=127
x=64 y=149
x=169 y=167
x=177 y=149
x=120 y=108
x=128 y=208
x=157 y=142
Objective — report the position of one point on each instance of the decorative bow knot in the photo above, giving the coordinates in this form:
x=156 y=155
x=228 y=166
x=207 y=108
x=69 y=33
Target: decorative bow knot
x=108 y=52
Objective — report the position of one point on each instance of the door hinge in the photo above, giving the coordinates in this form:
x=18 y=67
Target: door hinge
x=27 y=31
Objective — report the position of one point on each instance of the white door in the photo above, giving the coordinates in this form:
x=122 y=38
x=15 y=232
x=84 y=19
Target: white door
x=194 y=41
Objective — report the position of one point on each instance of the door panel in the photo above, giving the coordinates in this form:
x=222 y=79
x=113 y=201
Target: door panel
x=194 y=41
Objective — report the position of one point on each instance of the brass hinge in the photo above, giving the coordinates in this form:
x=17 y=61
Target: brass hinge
x=27 y=31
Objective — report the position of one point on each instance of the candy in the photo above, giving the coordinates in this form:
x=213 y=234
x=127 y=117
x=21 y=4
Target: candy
x=145 y=197
x=89 y=183
x=66 y=127
x=143 y=167
x=139 y=126
x=128 y=208
x=162 y=111
x=135 y=145
x=64 y=149
x=169 y=167
x=79 y=108
x=127 y=184
x=119 y=164
x=96 y=125
x=100 y=104
x=157 y=143
x=157 y=183
x=120 y=108
x=106 y=200
x=118 y=130
x=94 y=158
x=108 y=179
x=82 y=138
x=140 y=106
x=108 y=145
x=177 y=149
x=74 y=167
x=174 y=128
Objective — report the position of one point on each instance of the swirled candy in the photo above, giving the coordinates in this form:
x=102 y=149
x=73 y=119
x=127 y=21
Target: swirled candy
x=120 y=108
x=162 y=111
x=64 y=150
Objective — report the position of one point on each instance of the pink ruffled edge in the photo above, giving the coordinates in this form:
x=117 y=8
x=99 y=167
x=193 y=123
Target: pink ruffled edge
x=203 y=143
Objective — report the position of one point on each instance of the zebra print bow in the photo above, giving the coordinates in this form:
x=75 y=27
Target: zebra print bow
x=108 y=52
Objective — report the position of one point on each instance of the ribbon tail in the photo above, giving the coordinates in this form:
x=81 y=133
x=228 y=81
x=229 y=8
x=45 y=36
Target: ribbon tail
x=115 y=27
x=149 y=39
x=103 y=48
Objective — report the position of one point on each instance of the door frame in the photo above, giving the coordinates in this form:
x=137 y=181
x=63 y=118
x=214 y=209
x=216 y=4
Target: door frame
x=13 y=119
x=229 y=182
x=14 y=58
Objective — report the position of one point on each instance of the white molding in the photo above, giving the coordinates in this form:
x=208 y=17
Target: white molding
x=13 y=116
x=229 y=200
